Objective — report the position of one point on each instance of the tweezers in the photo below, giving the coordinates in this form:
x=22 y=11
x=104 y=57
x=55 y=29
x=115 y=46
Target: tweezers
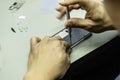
x=69 y=28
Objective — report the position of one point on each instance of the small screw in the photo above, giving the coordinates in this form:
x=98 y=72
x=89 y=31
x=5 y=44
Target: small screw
x=13 y=30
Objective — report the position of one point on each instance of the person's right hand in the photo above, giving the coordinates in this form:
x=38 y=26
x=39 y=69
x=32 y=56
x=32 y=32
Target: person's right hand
x=96 y=19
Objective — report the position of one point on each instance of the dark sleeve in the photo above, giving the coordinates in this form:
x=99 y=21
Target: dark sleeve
x=100 y=64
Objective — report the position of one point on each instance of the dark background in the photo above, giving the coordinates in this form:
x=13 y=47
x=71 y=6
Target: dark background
x=100 y=64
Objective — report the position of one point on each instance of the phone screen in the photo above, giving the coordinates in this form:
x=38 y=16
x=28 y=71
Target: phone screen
x=77 y=35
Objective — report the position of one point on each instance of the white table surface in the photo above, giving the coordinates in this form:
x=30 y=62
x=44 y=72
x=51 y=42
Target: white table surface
x=35 y=18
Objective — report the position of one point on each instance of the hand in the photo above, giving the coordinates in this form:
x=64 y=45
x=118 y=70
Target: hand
x=96 y=19
x=48 y=59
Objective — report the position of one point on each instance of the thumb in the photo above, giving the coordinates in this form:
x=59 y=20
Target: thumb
x=80 y=23
x=34 y=41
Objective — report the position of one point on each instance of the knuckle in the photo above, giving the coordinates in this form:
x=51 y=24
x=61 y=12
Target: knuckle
x=58 y=42
x=47 y=37
x=65 y=43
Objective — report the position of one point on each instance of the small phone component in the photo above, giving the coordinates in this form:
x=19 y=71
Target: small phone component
x=16 y=5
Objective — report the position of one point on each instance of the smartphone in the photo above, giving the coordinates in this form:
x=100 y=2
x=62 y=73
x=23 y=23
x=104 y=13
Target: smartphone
x=77 y=35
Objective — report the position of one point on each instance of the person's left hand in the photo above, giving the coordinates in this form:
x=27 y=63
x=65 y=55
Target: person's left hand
x=48 y=59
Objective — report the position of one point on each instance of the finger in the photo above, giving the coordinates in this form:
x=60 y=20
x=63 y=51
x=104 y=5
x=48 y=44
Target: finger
x=76 y=6
x=66 y=46
x=71 y=2
x=56 y=38
x=65 y=43
x=85 y=4
x=34 y=41
x=46 y=39
x=80 y=23
x=62 y=10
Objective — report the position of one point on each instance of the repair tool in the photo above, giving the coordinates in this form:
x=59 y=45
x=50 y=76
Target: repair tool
x=69 y=28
